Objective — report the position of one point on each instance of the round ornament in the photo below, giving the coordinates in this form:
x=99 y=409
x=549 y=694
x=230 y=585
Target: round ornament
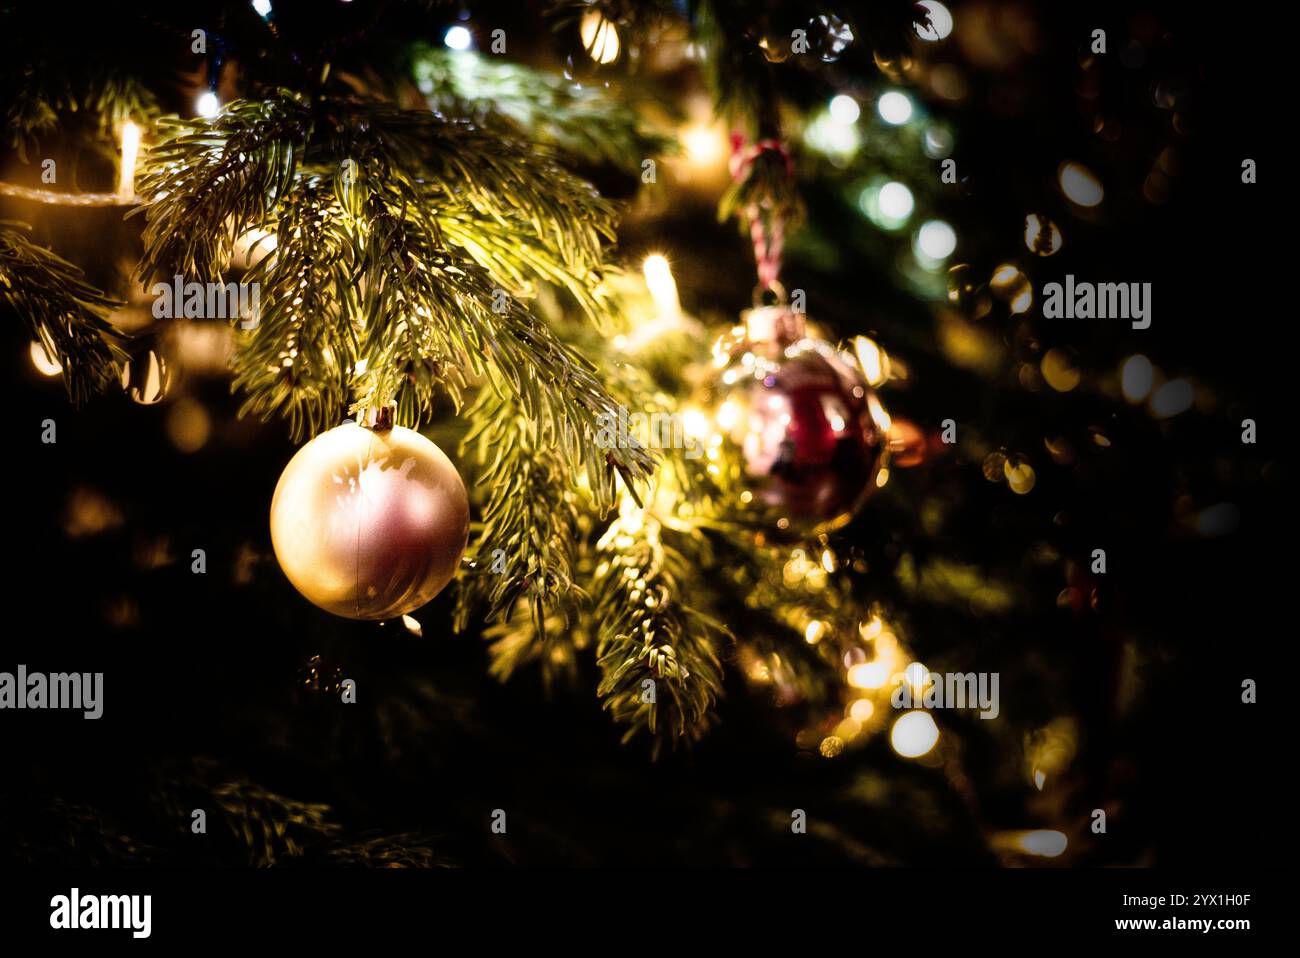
x=369 y=523
x=801 y=421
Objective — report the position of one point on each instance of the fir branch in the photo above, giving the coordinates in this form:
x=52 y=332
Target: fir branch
x=527 y=542
x=61 y=311
x=405 y=850
x=296 y=361
x=209 y=181
x=660 y=669
x=582 y=122
x=518 y=641
x=271 y=826
x=381 y=266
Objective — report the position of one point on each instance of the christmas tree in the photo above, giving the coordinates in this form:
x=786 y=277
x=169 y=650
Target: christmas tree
x=715 y=432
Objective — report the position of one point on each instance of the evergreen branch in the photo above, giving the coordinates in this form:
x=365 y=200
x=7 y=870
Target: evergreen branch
x=272 y=826
x=405 y=850
x=296 y=360
x=516 y=641
x=61 y=311
x=396 y=308
x=660 y=670
x=211 y=180
x=434 y=314
x=527 y=542
x=582 y=122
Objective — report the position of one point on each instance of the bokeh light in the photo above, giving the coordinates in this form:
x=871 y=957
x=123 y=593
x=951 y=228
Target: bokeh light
x=894 y=108
x=1079 y=185
x=914 y=734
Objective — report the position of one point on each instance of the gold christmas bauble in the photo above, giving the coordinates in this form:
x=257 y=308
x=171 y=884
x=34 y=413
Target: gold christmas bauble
x=369 y=523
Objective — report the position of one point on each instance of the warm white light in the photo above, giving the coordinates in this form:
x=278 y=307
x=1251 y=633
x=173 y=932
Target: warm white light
x=869 y=675
x=940 y=21
x=895 y=201
x=458 y=38
x=695 y=423
x=875 y=366
x=663 y=288
x=914 y=734
x=208 y=105
x=599 y=37
x=703 y=143
x=845 y=110
x=1079 y=184
x=130 y=151
x=42 y=361
x=894 y=108
x=936 y=240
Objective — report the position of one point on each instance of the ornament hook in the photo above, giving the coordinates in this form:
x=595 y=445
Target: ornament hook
x=379 y=418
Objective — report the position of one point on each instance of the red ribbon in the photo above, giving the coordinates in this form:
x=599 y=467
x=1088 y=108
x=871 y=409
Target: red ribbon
x=769 y=242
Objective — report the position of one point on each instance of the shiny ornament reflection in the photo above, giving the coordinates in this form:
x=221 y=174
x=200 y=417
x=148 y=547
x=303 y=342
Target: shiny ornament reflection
x=798 y=419
x=369 y=524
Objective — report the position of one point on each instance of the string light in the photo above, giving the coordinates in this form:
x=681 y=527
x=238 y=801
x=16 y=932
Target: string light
x=1079 y=185
x=458 y=38
x=207 y=104
x=599 y=37
x=895 y=202
x=663 y=288
x=130 y=151
x=894 y=108
x=940 y=21
x=935 y=242
x=42 y=361
x=914 y=734
x=845 y=110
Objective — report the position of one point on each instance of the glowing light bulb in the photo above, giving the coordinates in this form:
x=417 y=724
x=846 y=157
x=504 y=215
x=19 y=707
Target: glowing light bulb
x=263 y=8
x=894 y=108
x=458 y=38
x=703 y=144
x=845 y=110
x=130 y=151
x=940 y=21
x=599 y=37
x=869 y=675
x=42 y=361
x=895 y=201
x=208 y=105
x=663 y=288
x=1079 y=184
x=935 y=240
x=914 y=734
